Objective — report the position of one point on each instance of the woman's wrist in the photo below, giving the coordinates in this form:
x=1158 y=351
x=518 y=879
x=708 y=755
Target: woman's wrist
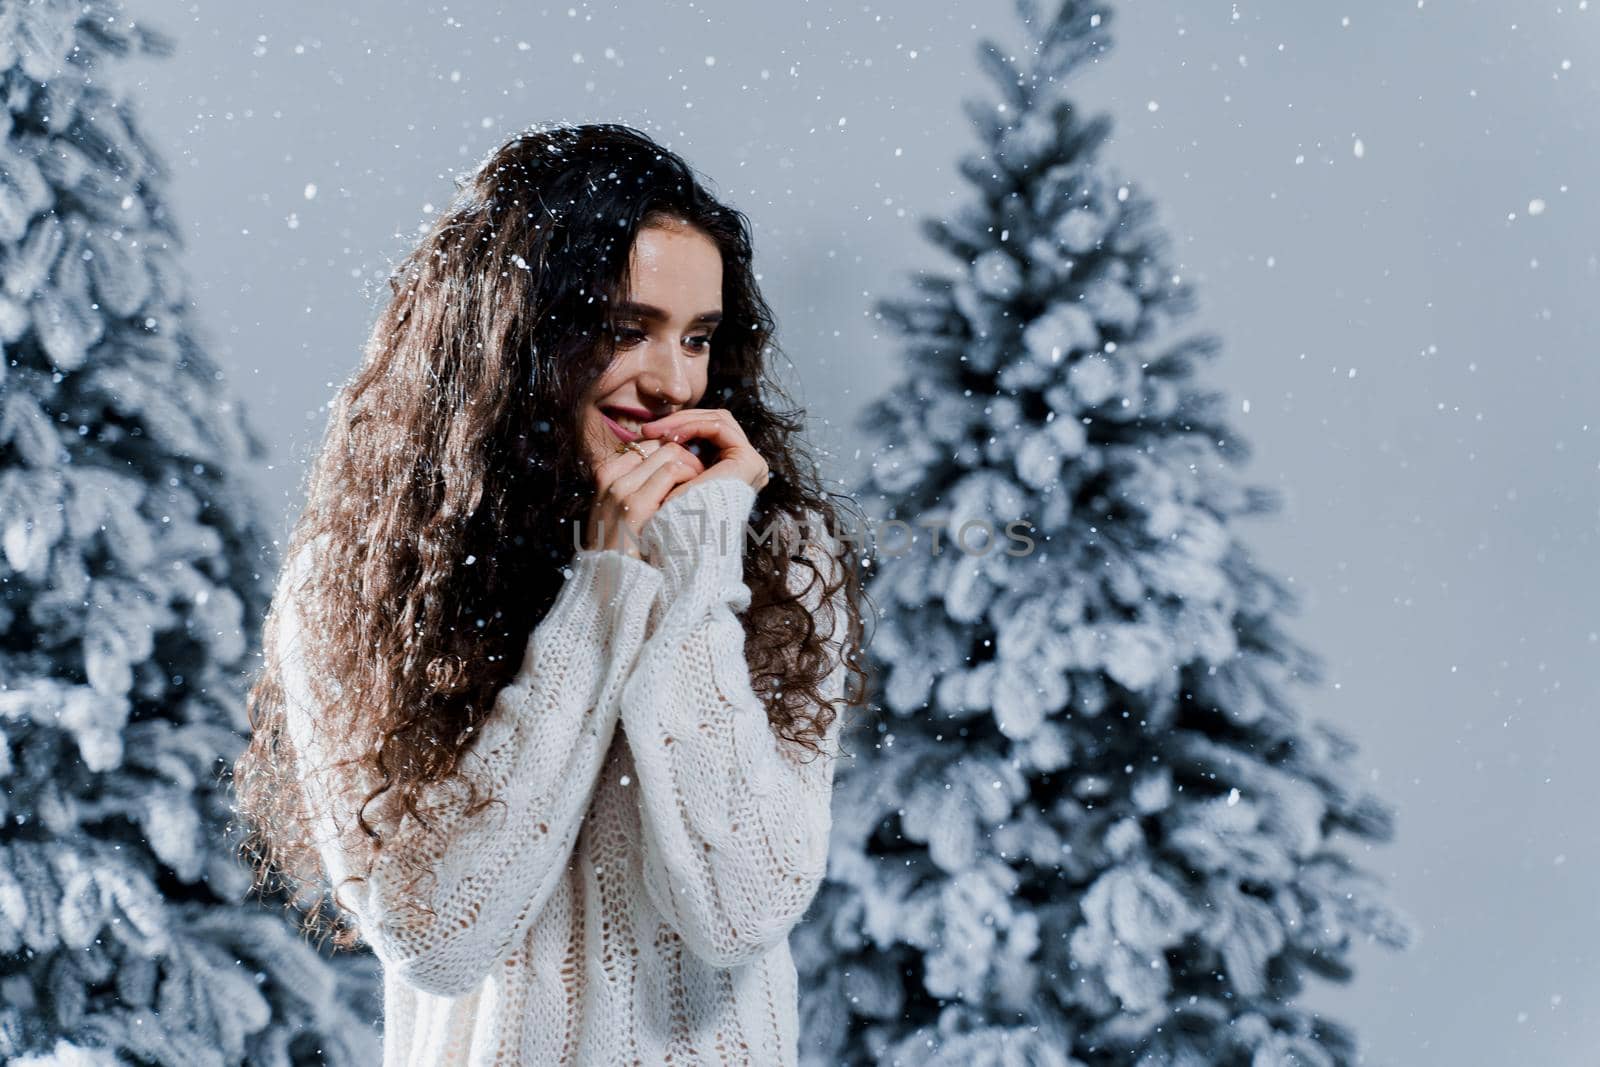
x=621 y=539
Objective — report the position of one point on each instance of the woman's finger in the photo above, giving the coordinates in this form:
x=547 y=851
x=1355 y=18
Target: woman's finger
x=736 y=456
x=663 y=455
x=694 y=422
x=629 y=487
x=618 y=463
x=665 y=483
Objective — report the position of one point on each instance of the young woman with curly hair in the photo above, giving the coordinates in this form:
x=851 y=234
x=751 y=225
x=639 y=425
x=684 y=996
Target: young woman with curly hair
x=554 y=673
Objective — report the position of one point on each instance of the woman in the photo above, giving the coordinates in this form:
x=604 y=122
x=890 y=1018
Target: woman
x=510 y=711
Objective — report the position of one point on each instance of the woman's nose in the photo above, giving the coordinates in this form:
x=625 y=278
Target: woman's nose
x=666 y=374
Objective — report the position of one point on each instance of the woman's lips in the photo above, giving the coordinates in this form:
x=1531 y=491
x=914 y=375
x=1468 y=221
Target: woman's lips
x=622 y=432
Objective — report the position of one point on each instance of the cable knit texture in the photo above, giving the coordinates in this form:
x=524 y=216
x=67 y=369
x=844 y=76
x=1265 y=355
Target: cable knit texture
x=632 y=900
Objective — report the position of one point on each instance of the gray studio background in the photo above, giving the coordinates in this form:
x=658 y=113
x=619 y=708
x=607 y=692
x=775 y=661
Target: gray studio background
x=1390 y=210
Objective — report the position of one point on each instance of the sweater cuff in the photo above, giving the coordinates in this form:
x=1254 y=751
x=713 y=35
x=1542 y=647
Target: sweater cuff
x=699 y=535
x=623 y=587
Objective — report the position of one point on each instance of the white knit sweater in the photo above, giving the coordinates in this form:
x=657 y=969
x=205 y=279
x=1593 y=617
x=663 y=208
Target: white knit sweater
x=632 y=900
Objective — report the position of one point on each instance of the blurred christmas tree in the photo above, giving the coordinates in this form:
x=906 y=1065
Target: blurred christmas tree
x=1092 y=827
x=131 y=585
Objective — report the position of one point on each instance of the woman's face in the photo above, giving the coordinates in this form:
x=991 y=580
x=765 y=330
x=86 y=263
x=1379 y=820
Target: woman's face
x=664 y=338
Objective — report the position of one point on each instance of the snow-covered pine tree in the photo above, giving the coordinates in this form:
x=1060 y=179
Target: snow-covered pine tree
x=1092 y=828
x=131 y=586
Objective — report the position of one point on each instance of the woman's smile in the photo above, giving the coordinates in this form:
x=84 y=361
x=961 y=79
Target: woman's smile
x=622 y=432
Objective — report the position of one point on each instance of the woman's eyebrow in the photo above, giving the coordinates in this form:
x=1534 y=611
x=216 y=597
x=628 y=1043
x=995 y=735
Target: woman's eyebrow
x=652 y=313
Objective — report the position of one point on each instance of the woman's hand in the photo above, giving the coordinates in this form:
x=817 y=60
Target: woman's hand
x=629 y=488
x=737 y=457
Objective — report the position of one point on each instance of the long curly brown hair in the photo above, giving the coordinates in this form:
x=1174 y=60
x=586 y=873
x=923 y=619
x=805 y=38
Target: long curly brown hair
x=441 y=502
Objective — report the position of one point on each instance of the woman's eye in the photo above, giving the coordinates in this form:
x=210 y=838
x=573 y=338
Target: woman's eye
x=629 y=337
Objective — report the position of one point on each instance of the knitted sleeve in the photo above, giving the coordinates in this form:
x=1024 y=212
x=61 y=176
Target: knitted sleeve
x=539 y=752
x=735 y=818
